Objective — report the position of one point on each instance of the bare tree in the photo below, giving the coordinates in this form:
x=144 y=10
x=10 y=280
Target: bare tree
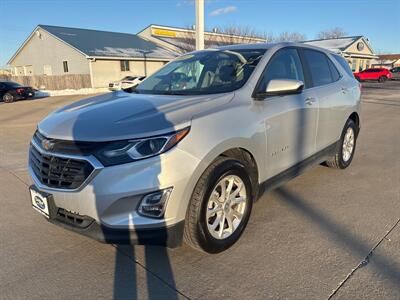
x=223 y=36
x=290 y=37
x=332 y=33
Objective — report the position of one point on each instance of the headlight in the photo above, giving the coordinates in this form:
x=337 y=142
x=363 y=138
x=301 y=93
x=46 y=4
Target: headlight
x=121 y=152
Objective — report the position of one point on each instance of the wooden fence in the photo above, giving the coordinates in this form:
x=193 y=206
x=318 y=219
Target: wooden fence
x=54 y=82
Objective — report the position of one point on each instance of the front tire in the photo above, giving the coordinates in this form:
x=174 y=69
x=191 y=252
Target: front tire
x=382 y=79
x=344 y=153
x=220 y=206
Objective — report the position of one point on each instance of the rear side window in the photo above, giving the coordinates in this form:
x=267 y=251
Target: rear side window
x=285 y=64
x=320 y=69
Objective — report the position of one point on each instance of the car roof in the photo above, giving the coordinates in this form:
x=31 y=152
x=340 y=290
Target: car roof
x=267 y=46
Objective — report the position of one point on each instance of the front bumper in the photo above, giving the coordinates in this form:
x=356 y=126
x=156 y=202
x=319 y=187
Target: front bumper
x=111 y=196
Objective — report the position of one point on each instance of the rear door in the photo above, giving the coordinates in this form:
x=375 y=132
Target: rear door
x=331 y=90
x=290 y=120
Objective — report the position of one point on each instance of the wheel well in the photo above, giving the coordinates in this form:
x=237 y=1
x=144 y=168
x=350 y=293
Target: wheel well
x=245 y=156
x=356 y=119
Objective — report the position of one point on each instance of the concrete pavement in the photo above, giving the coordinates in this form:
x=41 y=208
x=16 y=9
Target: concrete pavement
x=327 y=233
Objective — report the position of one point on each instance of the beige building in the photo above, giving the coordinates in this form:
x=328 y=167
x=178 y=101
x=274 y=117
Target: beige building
x=387 y=61
x=183 y=40
x=355 y=49
x=105 y=56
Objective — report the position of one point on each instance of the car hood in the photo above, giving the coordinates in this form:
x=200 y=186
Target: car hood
x=119 y=115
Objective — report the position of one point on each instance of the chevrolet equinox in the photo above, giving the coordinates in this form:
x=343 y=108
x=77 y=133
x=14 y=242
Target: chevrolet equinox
x=185 y=156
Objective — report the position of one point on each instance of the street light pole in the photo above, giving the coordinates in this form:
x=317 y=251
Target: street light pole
x=199 y=24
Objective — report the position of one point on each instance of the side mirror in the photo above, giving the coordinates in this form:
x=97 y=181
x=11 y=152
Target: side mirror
x=284 y=87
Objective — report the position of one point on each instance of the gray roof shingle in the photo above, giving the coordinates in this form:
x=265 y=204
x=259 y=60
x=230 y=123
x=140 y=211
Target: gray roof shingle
x=96 y=43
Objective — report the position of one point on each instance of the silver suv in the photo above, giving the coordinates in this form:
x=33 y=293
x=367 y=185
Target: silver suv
x=186 y=155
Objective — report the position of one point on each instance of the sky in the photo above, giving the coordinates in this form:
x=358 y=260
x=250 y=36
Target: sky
x=378 y=20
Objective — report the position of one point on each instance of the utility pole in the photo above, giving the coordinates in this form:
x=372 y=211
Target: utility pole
x=199 y=24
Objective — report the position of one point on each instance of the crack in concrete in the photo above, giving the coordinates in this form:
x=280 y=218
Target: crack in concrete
x=363 y=262
x=15 y=175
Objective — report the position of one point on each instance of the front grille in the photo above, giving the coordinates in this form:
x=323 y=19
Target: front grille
x=73 y=219
x=59 y=172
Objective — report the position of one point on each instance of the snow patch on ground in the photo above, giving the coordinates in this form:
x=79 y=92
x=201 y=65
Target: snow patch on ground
x=86 y=91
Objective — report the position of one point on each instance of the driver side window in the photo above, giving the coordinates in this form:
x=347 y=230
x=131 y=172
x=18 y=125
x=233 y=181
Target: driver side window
x=285 y=64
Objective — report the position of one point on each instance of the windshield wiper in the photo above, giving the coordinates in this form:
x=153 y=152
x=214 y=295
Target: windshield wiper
x=172 y=93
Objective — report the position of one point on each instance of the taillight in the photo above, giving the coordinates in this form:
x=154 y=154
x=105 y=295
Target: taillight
x=20 y=91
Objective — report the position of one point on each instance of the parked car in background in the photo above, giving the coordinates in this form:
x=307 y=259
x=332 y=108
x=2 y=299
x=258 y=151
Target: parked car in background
x=378 y=74
x=395 y=73
x=11 y=91
x=127 y=83
x=187 y=153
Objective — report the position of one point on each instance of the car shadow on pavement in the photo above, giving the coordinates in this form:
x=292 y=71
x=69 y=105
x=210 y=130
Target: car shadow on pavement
x=126 y=285
x=341 y=235
x=127 y=269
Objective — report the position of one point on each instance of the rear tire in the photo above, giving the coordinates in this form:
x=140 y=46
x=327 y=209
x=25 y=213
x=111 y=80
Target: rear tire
x=213 y=204
x=382 y=79
x=344 y=152
x=8 y=98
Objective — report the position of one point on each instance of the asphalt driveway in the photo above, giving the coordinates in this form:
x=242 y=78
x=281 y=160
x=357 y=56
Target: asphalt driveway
x=328 y=233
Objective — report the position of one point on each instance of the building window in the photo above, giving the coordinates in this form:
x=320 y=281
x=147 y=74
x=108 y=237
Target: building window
x=65 y=65
x=124 y=65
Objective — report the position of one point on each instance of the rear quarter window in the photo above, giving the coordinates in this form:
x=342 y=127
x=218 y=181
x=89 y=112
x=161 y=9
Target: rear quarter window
x=343 y=63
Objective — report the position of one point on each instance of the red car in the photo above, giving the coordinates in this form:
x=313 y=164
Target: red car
x=379 y=74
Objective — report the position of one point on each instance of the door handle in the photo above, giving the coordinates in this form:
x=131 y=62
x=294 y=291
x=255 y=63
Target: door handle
x=310 y=100
x=345 y=90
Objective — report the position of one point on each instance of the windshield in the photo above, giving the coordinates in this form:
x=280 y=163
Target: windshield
x=128 y=78
x=205 y=72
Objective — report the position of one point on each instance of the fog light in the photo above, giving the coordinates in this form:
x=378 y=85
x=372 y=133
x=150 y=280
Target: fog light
x=154 y=204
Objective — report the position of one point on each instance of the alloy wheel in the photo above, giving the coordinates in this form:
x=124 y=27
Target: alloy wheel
x=226 y=207
x=348 y=144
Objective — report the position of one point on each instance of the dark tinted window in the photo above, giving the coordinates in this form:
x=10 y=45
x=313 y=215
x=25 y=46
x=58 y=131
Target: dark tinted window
x=319 y=67
x=285 y=64
x=344 y=64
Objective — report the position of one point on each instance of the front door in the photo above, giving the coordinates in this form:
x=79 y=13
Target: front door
x=290 y=121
